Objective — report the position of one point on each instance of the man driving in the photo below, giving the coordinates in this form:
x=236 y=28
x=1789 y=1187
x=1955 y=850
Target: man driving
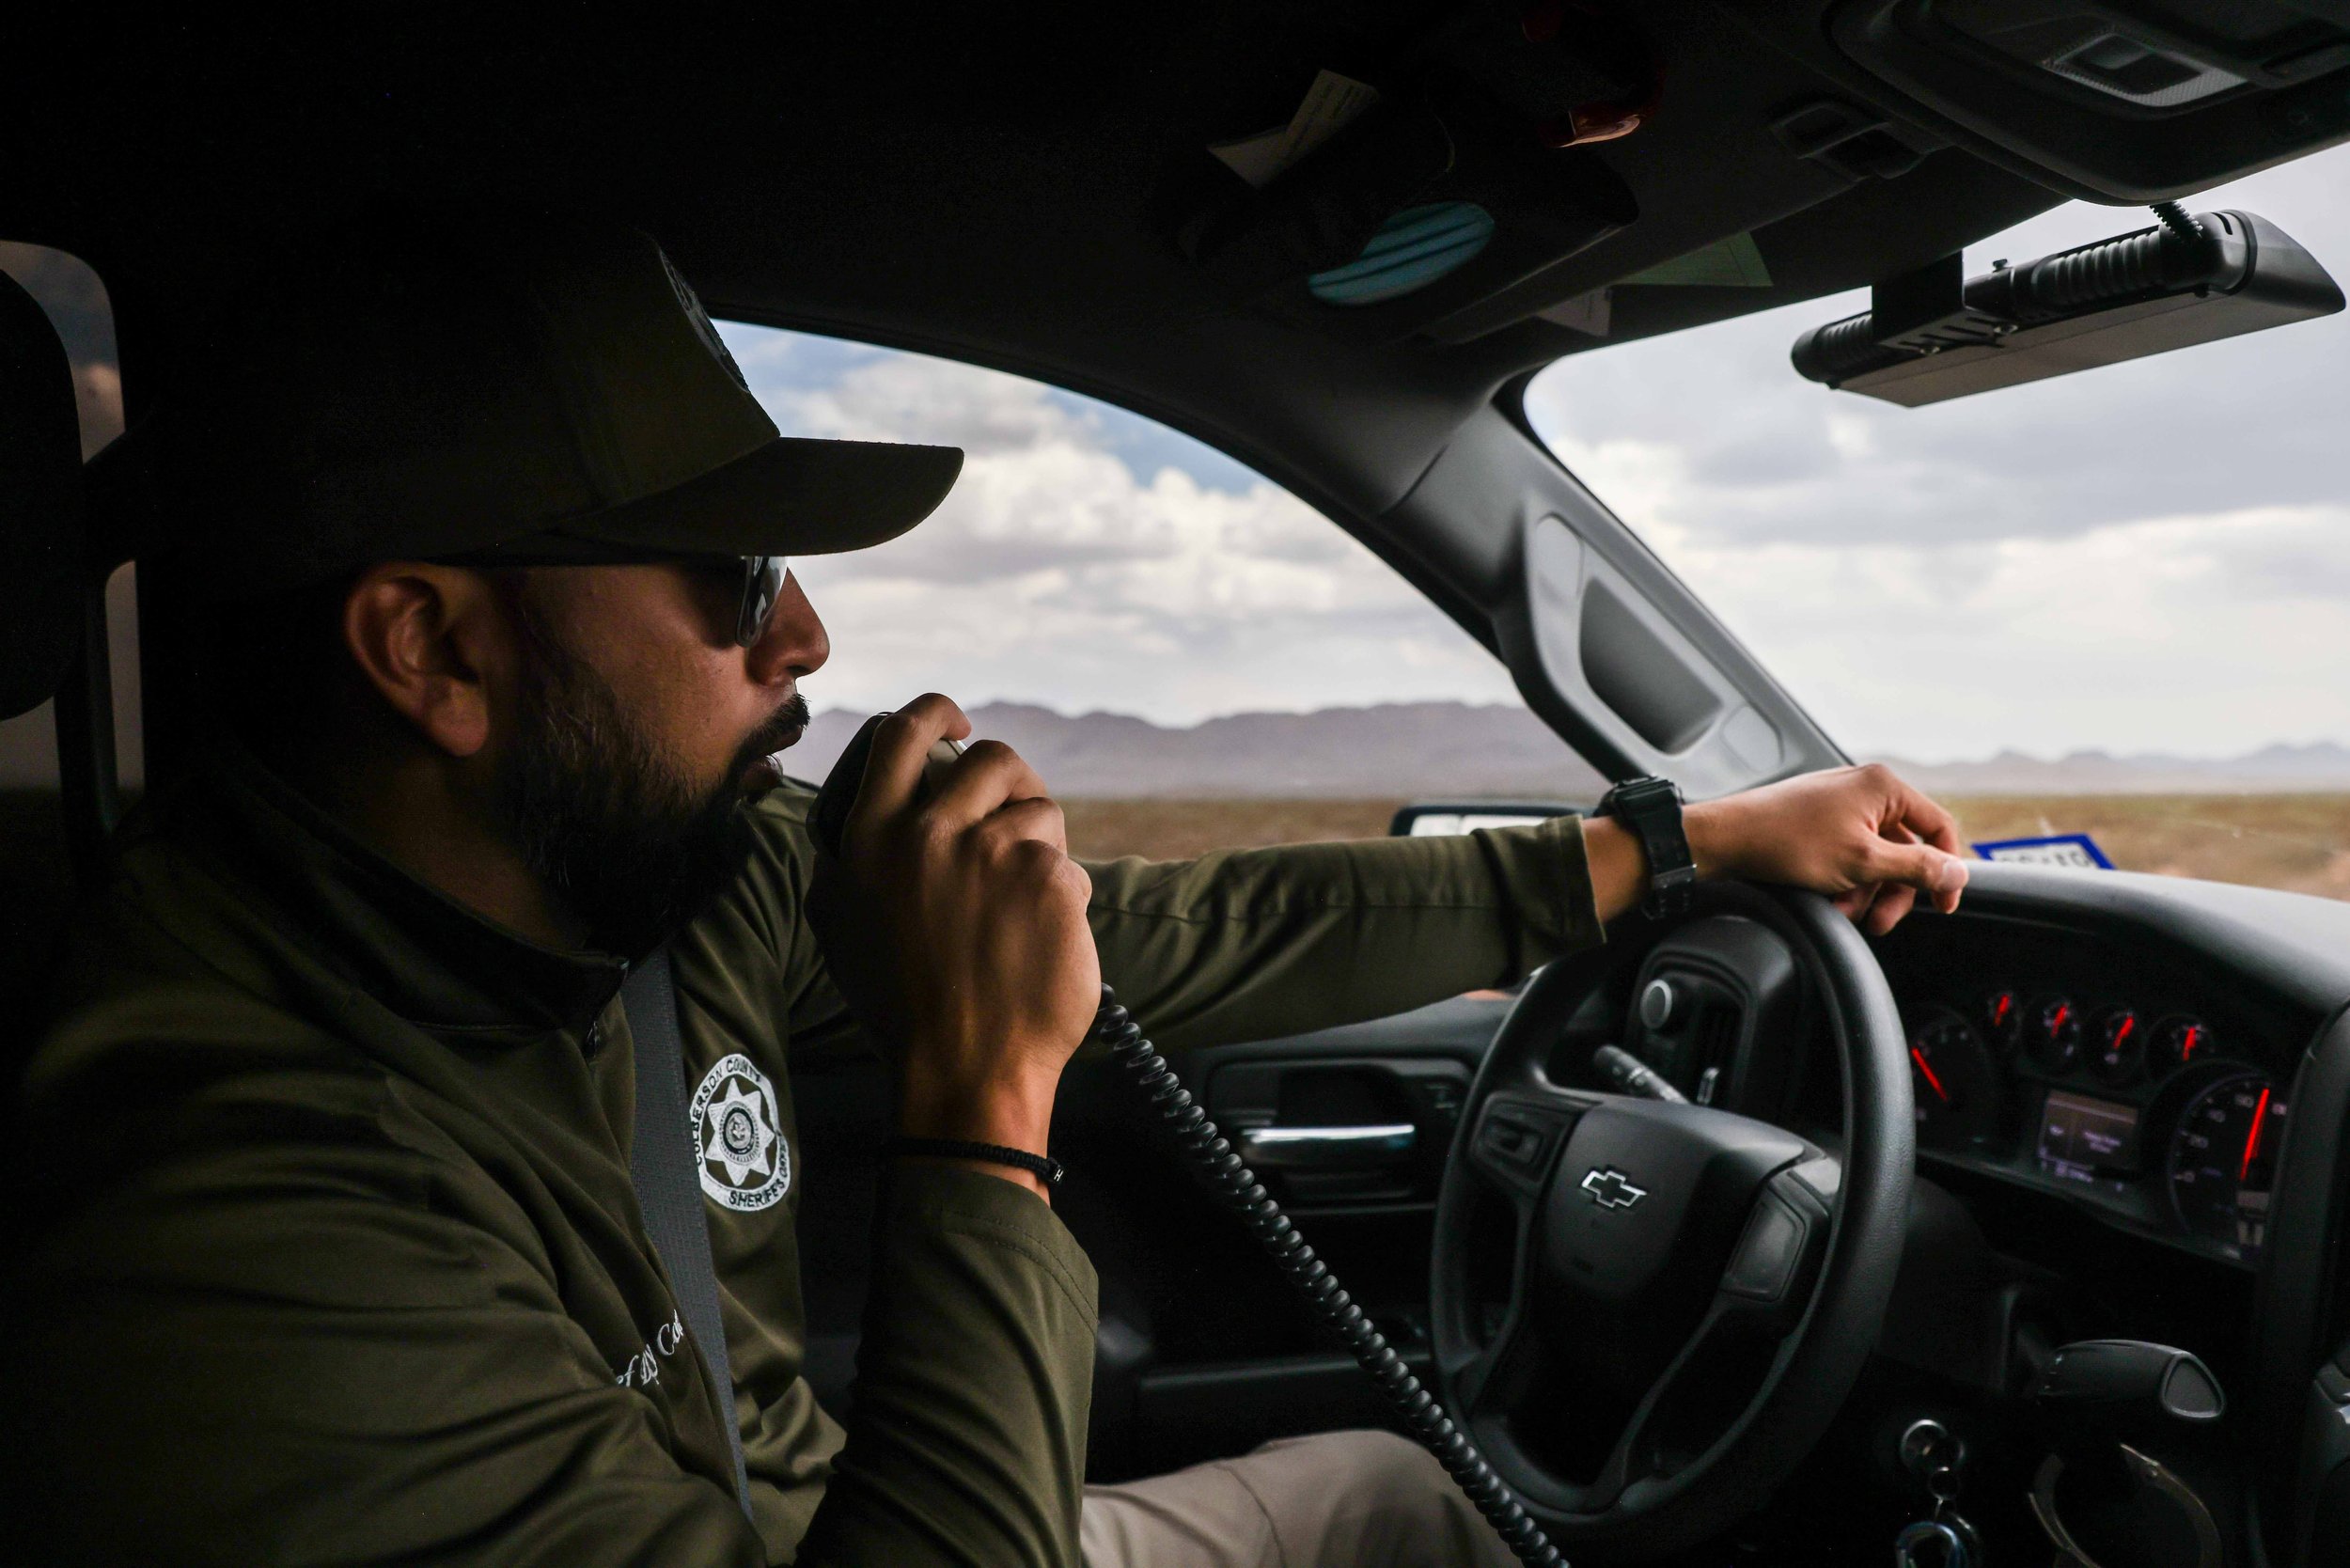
x=350 y=1245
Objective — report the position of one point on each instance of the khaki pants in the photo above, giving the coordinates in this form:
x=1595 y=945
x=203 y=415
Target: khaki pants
x=1341 y=1500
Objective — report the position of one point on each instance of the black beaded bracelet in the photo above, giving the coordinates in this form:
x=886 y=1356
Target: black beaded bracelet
x=1043 y=1166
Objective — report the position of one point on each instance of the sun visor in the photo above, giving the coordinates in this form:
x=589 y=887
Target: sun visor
x=1421 y=206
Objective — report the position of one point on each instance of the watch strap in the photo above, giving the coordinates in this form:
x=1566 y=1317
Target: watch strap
x=1651 y=807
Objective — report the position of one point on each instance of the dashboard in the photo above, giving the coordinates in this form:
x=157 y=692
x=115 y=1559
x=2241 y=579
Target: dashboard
x=2118 y=1067
x=2133 y=1106
x=2143 y=1083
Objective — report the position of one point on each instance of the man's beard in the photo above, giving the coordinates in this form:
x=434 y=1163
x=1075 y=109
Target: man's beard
x=603 y=813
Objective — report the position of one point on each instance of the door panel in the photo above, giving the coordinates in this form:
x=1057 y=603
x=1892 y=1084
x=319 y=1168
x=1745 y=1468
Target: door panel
x=1207 y=1350
x=1204 y=1349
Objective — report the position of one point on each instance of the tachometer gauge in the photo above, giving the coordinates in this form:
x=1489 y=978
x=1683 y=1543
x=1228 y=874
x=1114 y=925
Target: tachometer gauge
x=1956 y=1088
x=2223 y=1159
x=2053 y=1037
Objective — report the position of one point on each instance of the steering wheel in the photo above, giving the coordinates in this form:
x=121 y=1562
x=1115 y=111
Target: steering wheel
x=1702 y=1285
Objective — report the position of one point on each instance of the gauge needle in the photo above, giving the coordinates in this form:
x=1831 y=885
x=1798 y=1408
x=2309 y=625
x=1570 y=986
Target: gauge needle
x=2253 y=1138
x=1919 y=1057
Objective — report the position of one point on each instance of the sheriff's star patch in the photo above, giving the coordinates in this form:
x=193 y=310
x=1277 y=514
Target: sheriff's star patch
x=746 y=1162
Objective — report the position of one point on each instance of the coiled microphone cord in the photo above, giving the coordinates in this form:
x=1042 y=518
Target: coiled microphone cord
x=1237 y=1189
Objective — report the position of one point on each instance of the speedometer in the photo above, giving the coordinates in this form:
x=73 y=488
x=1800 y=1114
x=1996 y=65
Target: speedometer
x=2223 y=1160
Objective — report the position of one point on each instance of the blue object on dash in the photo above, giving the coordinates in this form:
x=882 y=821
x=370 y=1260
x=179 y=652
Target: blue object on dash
x=2077 y=850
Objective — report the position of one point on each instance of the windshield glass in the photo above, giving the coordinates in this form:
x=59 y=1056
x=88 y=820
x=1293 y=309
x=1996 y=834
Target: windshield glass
x=1192 y=657
x=2115 y=603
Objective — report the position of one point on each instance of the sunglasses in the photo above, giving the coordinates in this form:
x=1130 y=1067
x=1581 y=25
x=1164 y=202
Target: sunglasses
x=762 y=588
x=755 y=601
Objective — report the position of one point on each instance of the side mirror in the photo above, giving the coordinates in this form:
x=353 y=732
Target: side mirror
x=1931 y=335
x=1426 y=818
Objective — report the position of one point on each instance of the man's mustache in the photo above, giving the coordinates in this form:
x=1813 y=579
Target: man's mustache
x=783 y=728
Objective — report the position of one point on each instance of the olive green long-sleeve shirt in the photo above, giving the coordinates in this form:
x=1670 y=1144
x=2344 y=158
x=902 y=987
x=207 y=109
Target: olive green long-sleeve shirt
x=338 y=1260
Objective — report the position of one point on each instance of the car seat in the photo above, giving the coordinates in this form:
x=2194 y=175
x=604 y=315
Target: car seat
x=45 y=596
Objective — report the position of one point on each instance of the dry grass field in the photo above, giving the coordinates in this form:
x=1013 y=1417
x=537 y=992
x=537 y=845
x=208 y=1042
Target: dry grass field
x=1179 y=829
x=2297 y=841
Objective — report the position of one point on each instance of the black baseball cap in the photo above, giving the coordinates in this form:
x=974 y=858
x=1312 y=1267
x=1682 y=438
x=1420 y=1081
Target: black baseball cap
x=451 y=387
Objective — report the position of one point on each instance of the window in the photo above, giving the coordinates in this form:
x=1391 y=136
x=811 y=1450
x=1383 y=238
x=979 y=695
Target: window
x=2113 y=602
x=1176 y=643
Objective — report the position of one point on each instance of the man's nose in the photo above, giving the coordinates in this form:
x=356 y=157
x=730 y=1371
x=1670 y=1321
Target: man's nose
x=794 y=644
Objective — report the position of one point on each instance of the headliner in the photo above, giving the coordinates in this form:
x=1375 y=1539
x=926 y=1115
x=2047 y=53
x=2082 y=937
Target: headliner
x=995 y=187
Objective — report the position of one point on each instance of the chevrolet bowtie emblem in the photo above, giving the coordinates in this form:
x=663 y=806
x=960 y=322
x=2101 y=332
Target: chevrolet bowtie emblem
x=1611 y=1189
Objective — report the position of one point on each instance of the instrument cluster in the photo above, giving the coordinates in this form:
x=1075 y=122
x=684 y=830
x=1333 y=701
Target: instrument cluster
x=2152 y=1111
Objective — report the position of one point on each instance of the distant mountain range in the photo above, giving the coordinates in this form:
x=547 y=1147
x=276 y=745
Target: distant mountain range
x=1451 y=748
x=2273 y=769
x=1388 y=752
x=1417 y=750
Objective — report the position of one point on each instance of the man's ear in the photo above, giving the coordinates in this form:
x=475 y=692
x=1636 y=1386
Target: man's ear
x=430 y=638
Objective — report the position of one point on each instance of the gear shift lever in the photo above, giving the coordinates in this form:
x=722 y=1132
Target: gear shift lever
x=2100 y=1396
x=2124 y=1385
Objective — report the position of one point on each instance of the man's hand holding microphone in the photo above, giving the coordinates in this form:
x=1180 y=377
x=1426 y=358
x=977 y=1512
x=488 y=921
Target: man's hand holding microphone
x=954 y=922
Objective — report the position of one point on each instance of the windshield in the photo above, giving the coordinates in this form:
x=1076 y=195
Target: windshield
x=2114 y=604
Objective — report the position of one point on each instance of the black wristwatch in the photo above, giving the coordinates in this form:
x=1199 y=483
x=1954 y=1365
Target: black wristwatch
x=1651 y=807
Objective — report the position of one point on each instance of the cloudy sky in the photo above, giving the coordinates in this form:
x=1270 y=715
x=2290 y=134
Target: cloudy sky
x=2150 y=557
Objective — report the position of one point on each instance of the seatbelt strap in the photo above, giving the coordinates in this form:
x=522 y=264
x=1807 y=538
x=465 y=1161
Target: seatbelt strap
x=663 y=1164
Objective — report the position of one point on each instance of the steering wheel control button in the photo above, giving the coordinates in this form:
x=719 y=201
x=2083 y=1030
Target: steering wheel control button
x=1658 y=1001
x=1516 y=1141
x=1769 y=1252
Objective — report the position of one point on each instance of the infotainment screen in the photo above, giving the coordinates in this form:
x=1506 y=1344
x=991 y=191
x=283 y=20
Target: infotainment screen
x=2080 y=1136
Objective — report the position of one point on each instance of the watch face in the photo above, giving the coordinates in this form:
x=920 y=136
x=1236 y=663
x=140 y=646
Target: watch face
x=1641 y=791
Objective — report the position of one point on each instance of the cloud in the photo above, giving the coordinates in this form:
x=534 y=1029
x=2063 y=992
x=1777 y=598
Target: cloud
x=1063 y=570
x=2149 y=557
x=1766 y=456
x=2202 y=634
x=909 y=397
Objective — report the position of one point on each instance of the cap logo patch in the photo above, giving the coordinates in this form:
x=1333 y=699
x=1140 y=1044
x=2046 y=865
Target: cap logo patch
x=692 y=305
x=746 y=1162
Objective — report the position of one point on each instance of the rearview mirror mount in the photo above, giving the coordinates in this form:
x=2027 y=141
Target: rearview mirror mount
x=1933 y=335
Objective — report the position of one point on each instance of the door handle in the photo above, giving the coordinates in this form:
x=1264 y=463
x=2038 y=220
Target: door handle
x=1329 y=1148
